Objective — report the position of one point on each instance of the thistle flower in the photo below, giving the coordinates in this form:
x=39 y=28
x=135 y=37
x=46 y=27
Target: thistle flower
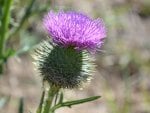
x=75 y=29
x=65 y=61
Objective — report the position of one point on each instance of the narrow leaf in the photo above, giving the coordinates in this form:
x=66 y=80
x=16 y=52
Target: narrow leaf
x=21 y=106
x=39 y=110
x=75 y=102
x=61 y=97
x=70 y=103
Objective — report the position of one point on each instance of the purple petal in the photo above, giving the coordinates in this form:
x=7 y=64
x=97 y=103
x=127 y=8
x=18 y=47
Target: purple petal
x=75 y=29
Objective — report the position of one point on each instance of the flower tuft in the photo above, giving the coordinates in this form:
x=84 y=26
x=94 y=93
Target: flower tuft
x=73 y=29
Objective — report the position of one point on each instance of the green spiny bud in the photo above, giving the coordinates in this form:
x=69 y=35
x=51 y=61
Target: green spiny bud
x=63 y=67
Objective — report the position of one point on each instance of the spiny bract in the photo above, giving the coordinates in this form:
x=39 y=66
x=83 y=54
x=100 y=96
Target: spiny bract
x=63 y=67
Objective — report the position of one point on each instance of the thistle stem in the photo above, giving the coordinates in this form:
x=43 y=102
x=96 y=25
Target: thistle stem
x=39 y=110
x=1 y=69
x=49 y=100
x=4 y=26
x=4 y=29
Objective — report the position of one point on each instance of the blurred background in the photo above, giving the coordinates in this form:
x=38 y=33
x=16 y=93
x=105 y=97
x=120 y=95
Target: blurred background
x=123 y=63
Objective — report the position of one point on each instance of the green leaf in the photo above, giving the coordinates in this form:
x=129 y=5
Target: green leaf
x=9 y=52
x=39 y=110
x=75 y=102
x=21 y=106
x=61 y=97
x=70 y=103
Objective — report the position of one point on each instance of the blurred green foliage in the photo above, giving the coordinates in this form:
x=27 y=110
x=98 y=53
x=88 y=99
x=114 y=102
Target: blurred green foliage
x=14 y=20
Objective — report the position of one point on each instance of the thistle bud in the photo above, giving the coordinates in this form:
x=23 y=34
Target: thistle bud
x=63 y=67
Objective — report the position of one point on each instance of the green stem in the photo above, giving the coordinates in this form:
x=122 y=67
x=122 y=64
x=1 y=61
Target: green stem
x=3 y=30
x=48 y=102
x=21 y=106
x=5 y=24
x=39 y=110
x=1 y=69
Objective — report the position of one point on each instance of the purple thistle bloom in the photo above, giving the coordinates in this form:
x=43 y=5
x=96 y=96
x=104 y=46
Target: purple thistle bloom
x=72 y=29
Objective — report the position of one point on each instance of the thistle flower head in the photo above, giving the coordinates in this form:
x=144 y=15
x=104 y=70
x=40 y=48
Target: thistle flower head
x=75 y=30
x=65 y=61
